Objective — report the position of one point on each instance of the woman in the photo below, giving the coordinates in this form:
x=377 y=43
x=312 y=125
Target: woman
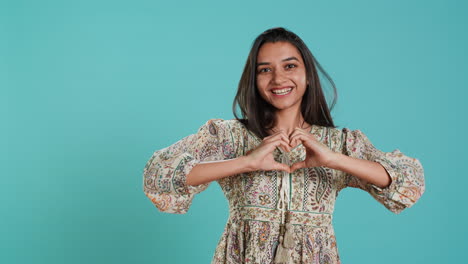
x=282 y=165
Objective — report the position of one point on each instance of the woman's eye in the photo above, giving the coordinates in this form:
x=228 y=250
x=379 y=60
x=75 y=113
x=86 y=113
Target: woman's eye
x=264 y=70
x=289 y=66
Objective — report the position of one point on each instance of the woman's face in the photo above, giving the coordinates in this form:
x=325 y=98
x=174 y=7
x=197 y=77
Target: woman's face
x=281 y=75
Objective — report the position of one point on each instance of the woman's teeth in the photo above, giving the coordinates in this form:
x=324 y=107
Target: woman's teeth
x=281 y=91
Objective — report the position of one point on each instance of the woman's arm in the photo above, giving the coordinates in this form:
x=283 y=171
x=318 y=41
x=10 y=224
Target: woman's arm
x=164 y=176
x=369 y=171
x=318 y=154
x=406 y=173
x=206 y=172
x=261 y=158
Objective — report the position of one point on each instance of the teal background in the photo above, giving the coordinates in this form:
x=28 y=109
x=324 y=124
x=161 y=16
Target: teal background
x=89 y=89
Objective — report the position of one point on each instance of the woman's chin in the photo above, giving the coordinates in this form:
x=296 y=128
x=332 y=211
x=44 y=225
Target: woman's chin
x=284 y=105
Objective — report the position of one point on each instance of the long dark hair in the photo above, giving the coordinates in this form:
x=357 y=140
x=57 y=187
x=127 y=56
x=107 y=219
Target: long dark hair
x=258 y=116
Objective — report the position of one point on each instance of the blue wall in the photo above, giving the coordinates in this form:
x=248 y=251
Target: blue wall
x=89 y=89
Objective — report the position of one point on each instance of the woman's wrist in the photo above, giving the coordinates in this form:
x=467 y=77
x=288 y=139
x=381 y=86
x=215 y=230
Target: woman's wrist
x=246 y=164
x=335 y=160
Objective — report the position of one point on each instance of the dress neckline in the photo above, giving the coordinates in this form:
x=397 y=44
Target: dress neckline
x=312 y=126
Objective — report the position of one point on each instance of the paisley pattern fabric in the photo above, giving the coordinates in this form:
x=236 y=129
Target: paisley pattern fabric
x=276 y=217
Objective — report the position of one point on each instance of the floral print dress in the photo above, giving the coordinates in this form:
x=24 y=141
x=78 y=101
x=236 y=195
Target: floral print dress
x=275 y=216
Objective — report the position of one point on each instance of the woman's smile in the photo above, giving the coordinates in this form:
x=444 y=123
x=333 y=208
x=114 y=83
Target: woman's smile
x=281 y=92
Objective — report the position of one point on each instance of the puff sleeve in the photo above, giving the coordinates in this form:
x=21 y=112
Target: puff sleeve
x=164 y=176
x=406 y=173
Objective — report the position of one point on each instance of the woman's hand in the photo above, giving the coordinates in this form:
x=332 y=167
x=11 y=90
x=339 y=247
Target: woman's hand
x=317 y=154
x=261 y=158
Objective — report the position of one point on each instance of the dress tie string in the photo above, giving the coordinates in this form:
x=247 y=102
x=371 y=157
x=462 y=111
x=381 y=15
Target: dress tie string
x=286 y=240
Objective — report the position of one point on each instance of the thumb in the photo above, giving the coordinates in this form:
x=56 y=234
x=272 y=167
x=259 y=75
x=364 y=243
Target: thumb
x=281 y=166
x=298 y=165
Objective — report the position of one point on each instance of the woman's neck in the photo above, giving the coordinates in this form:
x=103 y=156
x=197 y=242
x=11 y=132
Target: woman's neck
x=288 y=120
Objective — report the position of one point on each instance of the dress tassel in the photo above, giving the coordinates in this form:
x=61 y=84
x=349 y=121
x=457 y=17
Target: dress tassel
x=282 y=255
x=286 y=243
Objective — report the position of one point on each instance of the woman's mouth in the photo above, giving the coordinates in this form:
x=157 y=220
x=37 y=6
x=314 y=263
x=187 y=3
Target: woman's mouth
x=282 y=91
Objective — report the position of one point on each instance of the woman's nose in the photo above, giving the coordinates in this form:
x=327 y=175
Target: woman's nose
x=278 y=77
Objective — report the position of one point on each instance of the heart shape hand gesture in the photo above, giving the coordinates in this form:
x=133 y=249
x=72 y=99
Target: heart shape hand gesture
x=317 y=154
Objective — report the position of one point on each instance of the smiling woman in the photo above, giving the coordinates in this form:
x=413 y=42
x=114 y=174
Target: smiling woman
x=282 y=165
x=280 y=59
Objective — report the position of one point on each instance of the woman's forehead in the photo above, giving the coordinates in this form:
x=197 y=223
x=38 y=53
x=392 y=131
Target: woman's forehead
x=277 y=51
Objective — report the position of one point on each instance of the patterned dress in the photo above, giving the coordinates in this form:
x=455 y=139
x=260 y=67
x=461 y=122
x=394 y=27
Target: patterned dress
x=275 y=216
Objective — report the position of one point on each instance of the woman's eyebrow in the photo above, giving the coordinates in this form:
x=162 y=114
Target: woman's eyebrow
x=287 y=59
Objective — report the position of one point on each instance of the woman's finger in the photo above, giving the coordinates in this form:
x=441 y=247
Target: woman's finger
x=279 y=138
x=281 y=166
x=298 y=165
x=280 y=134
x=270 y=146
x=282 y=143
x=299 y=131
x=293 y=134
x=294 y=139
x=282 y=137
x=305 y=139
